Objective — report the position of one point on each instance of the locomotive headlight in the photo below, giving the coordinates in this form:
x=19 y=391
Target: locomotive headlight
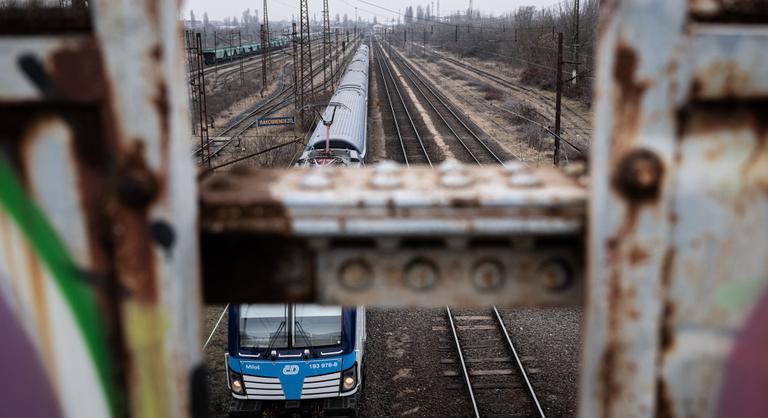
x=237 y=386
x=236 y=383
x=349 y=379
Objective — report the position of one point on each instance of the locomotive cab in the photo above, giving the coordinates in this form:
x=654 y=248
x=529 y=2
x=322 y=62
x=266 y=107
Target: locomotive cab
x=295 y=359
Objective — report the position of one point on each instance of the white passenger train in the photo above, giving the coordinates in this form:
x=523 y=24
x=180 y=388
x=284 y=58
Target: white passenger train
x=341 y=140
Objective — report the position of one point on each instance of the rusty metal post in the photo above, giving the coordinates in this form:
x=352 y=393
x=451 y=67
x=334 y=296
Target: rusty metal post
x=99 y=270
x=678 y=206
x=558 y=96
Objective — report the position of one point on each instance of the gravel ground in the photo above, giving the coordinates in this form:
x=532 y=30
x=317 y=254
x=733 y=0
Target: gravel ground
x=218 y=393
x=552 y=337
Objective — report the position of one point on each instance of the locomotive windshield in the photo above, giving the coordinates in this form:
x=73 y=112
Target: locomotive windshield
x=316 y=326
x=304 y=326
x=263 y=325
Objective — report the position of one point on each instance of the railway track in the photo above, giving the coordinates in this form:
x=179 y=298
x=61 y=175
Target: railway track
x=475 y=148
x=280 y=98
x=277 y=101
x=524 y=90
x=490 y=366
x=411 y=143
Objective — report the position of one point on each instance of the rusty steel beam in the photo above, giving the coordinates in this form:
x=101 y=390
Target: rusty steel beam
x=395 y=236
x=678 y=210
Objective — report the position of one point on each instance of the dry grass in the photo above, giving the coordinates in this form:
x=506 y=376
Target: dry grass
x=492 y=93
x=525 y=110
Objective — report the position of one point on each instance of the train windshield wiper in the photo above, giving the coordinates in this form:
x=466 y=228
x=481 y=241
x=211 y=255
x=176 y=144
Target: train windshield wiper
x=273 y=338
x=304 y=335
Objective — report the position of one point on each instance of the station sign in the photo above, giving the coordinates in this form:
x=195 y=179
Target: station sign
x=277 y=121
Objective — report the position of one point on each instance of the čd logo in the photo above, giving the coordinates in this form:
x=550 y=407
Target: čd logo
x=291 y=369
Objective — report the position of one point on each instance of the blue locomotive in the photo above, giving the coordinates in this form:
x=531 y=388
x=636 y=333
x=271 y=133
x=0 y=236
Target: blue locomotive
x=295 y=359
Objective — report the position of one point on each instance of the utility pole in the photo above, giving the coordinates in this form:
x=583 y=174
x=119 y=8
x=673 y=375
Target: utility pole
x=306 y=85
x=575 y=41
x=205 y=144
x=192 y=61
x=336 y=49
x=240 y=55
x=558 y=96
x=296 y=101
x=263 y=59
x=438 y=10
x=327 y=47
x=268 y=55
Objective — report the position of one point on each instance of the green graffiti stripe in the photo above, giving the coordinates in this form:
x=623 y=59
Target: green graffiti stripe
x=52 y=252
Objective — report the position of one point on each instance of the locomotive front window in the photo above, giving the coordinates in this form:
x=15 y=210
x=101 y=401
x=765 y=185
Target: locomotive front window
x=262 y=326
x=316 y=326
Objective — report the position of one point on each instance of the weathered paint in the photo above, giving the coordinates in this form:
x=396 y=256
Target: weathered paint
x=98 y=241
x=465 y=228
x=677 y=207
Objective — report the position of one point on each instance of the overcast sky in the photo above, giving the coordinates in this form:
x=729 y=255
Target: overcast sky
x=282 y=9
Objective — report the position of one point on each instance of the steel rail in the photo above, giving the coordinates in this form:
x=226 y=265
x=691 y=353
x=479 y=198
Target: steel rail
x=463 y=363
x=260 y=110
x=391 y=107
x=241 y=119
x=520 y=367
x=506 y=83
x=418 y=77
x=267 y=112
x=402 y=101
x=277 y=93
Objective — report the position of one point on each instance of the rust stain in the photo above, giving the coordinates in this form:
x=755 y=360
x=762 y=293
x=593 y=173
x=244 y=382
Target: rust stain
x=157 y=52
x=162 y=106
x=608 y=384
x=696 y=87
x=664 y=405
x=78 y=73
x=760 y=127
x=465 y=202
x=637 y=255
x=667 y=318
x=627 y=99
x=136 y=188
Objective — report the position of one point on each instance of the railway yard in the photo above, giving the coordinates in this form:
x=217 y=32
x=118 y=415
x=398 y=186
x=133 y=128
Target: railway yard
x=426 y=108
x=369 y=208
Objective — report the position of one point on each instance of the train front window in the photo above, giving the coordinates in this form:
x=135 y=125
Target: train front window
x=316 y=326
x=263 y=326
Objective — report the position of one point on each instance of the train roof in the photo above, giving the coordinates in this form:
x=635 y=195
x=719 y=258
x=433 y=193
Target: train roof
x=348 y=129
